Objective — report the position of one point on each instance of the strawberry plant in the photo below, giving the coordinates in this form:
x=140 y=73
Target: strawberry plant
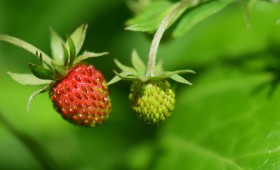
x=78 y=91
x=228 y=119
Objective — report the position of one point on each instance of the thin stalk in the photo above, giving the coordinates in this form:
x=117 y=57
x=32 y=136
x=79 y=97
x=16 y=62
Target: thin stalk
x=159 y=33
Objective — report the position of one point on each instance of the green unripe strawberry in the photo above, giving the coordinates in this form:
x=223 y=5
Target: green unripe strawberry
x=151 y=96
x=78 y=91
x=153 y=101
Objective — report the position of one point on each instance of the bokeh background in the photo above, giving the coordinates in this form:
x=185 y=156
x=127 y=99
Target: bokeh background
x=229 y=118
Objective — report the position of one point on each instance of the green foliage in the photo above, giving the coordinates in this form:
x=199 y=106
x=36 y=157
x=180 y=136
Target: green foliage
x=229 y=118
x=198 y=14
x=138 y=72
x=196 y=11
x=149 y=19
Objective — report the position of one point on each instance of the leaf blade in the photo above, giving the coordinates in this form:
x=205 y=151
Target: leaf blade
x=150 y=18
x=198 y=14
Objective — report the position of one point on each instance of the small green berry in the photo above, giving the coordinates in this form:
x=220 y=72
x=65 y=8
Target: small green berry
x=153 y=100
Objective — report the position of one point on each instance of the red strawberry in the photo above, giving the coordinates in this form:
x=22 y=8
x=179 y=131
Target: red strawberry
x=78 y=91
x=82 y=96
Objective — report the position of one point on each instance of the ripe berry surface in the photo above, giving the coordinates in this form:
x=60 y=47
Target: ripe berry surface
x=153 y=101
x=82 y=97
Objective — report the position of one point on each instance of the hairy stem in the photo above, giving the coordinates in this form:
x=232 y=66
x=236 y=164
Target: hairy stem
x=159 y=33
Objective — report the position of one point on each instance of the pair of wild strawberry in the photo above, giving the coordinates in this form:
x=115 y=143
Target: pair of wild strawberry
x=80 y=93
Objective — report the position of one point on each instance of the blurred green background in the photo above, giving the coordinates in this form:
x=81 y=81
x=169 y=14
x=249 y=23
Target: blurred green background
x=229 y=118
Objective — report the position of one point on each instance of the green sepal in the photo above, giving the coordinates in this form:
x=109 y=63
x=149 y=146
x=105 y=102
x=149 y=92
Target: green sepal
x=87 y=55
x=125 y=68
x=159 y=67
x=42 y=90
x=137 y=63
x=28 y=79
x=41 y=72
x=72 y=51
x=40 y=58
x=56 y=49
x=125 y=75
x=118 y=77
x=78 y=37
x=26 y=46
x=180 y=79
x=128 y=76
x=168 y=74
x=65 y=55
x=137 y=72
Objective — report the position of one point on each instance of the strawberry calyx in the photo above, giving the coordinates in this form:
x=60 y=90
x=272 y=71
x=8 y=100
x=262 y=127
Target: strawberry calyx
x=151 y=95
x=139 y=72
x=65 y=56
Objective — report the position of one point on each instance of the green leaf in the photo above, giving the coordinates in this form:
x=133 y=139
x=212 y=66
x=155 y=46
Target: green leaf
x=137 y=6
x=41 y=72
x=42 y=90
x=149 y=23
x=137 y=63
x=198 y=14
x=28 y=79
x=220 y=124
x=72 y=50
x=125 y=68
x=180 y=79
x=78 y=37
x=88 y=54
x=26 y=46
x=150 y=18
x=56 y=48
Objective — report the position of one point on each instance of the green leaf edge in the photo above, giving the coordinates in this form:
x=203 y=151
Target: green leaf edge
x=198 y=14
